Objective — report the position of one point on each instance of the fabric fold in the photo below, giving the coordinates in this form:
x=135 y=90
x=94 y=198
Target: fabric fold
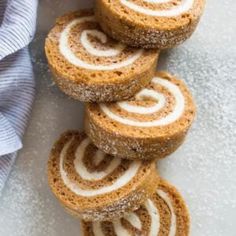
x=9 y=140
x=18 y=25
x=17 y=85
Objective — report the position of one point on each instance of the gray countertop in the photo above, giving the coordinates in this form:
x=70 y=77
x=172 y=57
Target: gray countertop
x=204 y=168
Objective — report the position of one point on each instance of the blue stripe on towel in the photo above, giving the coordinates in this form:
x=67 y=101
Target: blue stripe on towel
x=17 y=86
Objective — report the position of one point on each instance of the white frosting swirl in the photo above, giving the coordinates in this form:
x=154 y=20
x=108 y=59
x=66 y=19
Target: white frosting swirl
x=127 y=176
x=99 y=156
x=112 y=52
x=166 y=198
x=67 y=52
x=155 y=217
x=160 y=103
x=135 y=221
x=159 y=98
x=183 y=7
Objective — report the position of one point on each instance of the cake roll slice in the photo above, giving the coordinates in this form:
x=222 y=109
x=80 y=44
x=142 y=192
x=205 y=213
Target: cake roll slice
x=90 y=66
x=163 y=214
x=149 y=23
x=152 y=124
x=95 y=186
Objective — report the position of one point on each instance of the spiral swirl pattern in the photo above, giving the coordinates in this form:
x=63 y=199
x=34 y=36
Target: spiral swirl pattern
x=151 y=106
x=102 y=48
x=104 y=168
x=134 y=219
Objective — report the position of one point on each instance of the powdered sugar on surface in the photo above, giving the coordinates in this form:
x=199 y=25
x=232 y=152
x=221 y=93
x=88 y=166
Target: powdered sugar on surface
x=203 y=169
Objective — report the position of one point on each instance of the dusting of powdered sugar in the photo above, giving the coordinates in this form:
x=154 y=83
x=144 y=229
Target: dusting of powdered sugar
x=203 y=169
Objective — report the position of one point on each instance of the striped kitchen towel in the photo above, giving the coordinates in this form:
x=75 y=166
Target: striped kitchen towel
x=17 y=86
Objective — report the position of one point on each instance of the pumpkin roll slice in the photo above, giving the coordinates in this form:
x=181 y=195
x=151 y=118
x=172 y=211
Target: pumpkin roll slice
x=163 y=214
x=89 y=66
x=149 y=23
x=152 y=124
x=95 y=186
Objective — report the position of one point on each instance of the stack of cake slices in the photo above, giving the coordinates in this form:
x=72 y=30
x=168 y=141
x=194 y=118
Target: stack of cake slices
x=106 y=175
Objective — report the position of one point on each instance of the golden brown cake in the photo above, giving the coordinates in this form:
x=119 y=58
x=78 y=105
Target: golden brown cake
x=149 y=23
x=93 y=185
x=152 y=124
x=163 y=214
x=89 y=66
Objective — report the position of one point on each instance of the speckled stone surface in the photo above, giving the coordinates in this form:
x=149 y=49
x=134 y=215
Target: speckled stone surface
x=203 y=169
